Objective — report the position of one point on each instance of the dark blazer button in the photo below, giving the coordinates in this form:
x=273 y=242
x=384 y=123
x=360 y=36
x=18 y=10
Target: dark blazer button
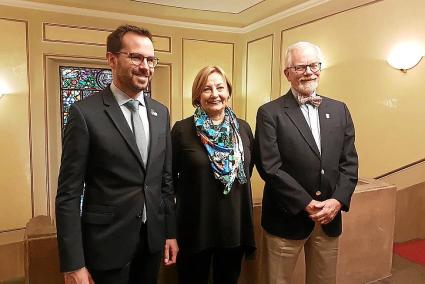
x=139 y=215
x=322 y=171
x=318 y=193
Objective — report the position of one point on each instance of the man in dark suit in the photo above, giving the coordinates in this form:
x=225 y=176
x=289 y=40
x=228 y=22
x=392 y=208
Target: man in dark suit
x=306 y=156
x=117 y=147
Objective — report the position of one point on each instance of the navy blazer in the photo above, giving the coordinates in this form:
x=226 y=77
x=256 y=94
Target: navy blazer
x=294 y=170
x=100 y=154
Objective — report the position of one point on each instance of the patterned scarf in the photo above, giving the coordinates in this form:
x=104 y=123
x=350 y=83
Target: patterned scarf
x=224 y=146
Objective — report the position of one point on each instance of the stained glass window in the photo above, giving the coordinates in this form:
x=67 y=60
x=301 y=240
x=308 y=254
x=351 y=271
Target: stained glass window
x=77 y=83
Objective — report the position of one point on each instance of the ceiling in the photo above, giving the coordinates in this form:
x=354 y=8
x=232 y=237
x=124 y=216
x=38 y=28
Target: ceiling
x=225 y=6
x=222 y=15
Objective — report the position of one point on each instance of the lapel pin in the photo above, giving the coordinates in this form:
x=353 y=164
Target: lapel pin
x=153 y=112
x=327 y=115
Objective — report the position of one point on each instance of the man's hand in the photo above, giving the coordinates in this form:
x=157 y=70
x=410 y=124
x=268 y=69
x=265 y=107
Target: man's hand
x=80 y=276
x=328 y=212
x=314 y=207
x=170 y=252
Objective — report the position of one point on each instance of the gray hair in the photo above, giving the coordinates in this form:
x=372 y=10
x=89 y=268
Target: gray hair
x=300 y=45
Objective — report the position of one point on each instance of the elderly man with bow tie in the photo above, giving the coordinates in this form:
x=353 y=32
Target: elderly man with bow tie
x=306 y=155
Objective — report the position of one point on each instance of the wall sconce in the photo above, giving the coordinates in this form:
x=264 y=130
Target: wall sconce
x=405 y=56
x=4 y=89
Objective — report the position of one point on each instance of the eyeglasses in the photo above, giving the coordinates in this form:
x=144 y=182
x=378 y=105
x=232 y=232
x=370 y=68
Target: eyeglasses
x=137 y=58
x=300 y=69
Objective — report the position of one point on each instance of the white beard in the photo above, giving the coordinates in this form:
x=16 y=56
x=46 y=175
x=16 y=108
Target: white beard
x=307 y=87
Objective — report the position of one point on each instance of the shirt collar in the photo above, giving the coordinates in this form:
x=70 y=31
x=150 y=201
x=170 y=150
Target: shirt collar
x=122 y=97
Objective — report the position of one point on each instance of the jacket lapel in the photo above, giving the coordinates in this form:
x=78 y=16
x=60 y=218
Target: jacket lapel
x=153 y=127
x=325 y=116
x=292 y=109
x=113 y=110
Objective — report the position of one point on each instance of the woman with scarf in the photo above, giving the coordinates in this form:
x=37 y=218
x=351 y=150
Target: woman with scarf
x=212 y=166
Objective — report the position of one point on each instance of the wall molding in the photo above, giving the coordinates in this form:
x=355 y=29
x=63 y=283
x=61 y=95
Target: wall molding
x=30 y=144
x=246 y=73
x=47 y=25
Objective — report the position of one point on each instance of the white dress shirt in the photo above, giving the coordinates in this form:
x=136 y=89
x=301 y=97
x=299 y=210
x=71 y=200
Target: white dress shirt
x=122 y=98
x=311 y=115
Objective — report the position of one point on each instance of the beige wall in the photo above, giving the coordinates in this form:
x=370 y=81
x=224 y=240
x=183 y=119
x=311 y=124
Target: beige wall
x=259 y=60
x=386 y=104
x=15 y=165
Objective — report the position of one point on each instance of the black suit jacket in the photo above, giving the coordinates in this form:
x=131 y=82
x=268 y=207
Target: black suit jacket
x=293 y=169
x=100 y=154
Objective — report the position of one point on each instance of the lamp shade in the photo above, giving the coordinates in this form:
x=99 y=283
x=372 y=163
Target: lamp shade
x=405 y=56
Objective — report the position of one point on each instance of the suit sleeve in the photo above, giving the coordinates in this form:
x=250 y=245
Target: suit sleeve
x=251 y=146
x=167 y=188
x=176 y=154
x=70 y=188
x=284 y=189
x=348 y=166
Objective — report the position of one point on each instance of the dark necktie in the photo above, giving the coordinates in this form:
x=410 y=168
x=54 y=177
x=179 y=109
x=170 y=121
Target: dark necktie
x=140 y=135
x=138 y=129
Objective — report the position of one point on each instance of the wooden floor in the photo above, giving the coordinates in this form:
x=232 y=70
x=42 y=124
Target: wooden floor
x=403 y=272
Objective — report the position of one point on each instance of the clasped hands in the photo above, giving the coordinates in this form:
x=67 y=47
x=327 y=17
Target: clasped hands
x=323 y=212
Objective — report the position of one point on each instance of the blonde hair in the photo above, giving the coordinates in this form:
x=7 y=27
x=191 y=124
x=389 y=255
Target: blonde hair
x=201 y=80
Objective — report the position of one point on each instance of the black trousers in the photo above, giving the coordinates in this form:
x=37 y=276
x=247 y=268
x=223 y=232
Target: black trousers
x=194 y=268
x=142 y=269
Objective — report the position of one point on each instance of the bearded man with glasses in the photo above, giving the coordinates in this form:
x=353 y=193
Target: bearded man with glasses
x=304 y=147
x=117 y=146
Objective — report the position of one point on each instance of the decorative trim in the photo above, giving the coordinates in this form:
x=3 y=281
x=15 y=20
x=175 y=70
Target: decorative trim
x=29 y=115
x=46 y=24
x=72 y=27
x=46 y=136
x=198 y=9
x=12 y=230
x=401 y=168
x=170 y=98
x=168 y=50
x=246 y=72
x=13 y=20
x=163 y=22
x=284 y=14
x=333 y=14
